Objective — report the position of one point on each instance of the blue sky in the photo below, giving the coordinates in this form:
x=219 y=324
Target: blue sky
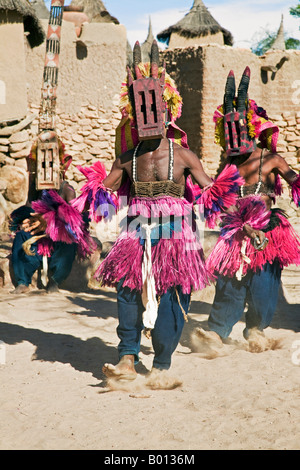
x=245 y=19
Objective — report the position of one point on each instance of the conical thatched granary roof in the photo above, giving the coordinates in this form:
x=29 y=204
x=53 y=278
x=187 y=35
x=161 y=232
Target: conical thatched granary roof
x=197 y=22
x=95 y=10
x=40 y=9
x=146 y=46
x=279 y=42
x=31 y=22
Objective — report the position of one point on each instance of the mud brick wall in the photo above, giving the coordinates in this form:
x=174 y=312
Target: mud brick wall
x=200 y=74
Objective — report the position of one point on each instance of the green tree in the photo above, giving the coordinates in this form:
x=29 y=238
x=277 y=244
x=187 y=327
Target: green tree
x=295 y=11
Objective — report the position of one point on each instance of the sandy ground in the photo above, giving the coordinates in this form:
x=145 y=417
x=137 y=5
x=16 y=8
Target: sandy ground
x=53 y=394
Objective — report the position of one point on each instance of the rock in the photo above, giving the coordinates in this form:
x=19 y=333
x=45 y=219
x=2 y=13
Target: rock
x=22 y=153
x=84 y=122
x=78 y=147
x=17 y=183
x=77 y=138
x=17 y=146
x=22 y=163
x=95 y=150
x=3 y=185
x=10 y=130
x=2 y=158
x=21 y=136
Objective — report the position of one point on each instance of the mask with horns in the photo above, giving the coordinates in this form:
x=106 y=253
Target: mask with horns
x=239 y=120
x=147 y=95
x=237 y=138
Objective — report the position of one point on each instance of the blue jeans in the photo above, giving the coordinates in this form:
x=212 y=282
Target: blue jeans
x=258 y=290
x=166 y=332
x=24 y=266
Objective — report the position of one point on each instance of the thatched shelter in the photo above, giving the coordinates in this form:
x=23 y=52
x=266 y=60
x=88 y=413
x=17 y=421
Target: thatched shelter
x=32 y=26
x=279 y=43
x=197 y=27
x=95 y=10
x=40 y=9
x=146 y=45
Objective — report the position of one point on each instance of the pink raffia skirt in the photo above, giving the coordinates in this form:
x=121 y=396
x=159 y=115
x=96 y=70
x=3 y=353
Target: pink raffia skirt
x=177 y=259
x=283 y=246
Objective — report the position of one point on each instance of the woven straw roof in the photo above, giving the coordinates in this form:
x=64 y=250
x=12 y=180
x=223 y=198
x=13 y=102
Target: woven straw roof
x=197 y=22
x=40 y=9
x=279 y=42
x=95 y=10
x=31 y=22
x=146 y=46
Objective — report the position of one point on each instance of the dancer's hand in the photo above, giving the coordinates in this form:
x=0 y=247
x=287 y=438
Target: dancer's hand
x=34 y=224
x=257 y=235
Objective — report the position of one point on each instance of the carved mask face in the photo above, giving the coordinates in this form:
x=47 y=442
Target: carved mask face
x=147 y=95
x=237 y=139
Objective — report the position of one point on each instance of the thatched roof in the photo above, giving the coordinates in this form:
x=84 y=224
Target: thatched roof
x=146 y=46
x=95 y=10
x=197 y=22
x=279 y=42
x=40 y=9
x=31 y=22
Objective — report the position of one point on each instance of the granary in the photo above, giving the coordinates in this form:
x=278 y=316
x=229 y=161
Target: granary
x=40 y=8
x=17 y=17
x=279 y=43
x=196 y=28
x=95 y=11
x=147 y=44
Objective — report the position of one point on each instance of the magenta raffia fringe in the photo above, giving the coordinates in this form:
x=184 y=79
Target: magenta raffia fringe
x=221 y=194
x=64 y=223
x=283 y=246
x=296 y=191
x=176 y=261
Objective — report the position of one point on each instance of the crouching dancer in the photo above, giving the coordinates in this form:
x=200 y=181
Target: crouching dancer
x=48 y=231
x=256 y=241
x=157 y=260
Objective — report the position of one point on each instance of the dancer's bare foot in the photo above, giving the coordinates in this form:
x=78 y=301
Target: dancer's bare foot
x=207 y=342
x=161 y=380
x=52 y=287
x=20 y=289
x=258 y=342
x=124 y=370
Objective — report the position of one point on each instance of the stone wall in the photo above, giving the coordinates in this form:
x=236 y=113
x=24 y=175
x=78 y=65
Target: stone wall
x=200 y=74
x=91 y=71
x=88 y=128
x=88 y=136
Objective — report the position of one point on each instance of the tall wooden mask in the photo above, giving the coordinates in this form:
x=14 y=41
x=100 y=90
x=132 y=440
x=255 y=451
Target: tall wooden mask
x=146 y=95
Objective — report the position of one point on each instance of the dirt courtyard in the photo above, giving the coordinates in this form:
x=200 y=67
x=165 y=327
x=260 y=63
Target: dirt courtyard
x=54 y=396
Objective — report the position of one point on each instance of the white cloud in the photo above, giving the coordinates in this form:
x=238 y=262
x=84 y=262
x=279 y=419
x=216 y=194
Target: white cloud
x=160 y=20
x=253 y=19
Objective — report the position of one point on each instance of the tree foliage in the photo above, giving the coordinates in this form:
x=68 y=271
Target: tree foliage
x=295 y=11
